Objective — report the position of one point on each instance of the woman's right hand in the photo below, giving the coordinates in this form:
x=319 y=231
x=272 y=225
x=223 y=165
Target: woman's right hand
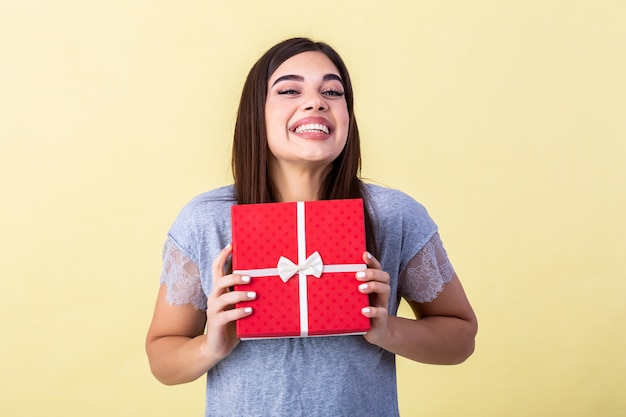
x=221 y=335
x=178 y=348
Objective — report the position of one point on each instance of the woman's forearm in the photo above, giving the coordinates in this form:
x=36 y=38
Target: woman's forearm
x=178 y=359
x=435 y=340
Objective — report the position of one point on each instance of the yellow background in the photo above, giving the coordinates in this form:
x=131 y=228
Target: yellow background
x=505 y=118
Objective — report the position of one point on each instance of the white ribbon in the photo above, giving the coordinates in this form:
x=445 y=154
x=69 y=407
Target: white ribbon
x=313 y=265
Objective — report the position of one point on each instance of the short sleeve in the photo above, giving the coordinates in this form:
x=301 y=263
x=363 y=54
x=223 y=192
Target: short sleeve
x=426 y=273
x=181 y=276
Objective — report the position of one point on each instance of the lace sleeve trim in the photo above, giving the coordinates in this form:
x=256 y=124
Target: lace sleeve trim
x=426 y=273
x=181 y=276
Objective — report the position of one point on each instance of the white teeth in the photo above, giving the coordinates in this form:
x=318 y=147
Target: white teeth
x=312 y=127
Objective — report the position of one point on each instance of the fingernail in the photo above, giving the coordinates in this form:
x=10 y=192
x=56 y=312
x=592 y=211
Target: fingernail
x=251 y=294
x=369 y=255
x=247 y=310
x=245 y=278
x=366 y=310
x=360 y=274
x=228 y=246
x=363 y=287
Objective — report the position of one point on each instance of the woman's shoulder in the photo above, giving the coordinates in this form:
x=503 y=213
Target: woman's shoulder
x=208 y=204
x=391 y=200
x=222 y=196
x=225 y=193
x=397 y=214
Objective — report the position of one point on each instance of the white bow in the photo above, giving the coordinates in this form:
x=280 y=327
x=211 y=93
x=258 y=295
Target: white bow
x=313 y=265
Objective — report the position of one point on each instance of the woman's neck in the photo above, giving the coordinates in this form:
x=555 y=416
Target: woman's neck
x=298 y=183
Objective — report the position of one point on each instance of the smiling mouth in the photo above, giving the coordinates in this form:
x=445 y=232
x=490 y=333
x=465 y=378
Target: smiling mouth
x=312 y=127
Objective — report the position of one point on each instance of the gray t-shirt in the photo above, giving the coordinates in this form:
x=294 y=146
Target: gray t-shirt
x=315 y=376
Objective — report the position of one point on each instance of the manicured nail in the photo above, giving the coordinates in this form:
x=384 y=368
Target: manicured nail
x=363 y=287
x=247 y=310
x=368 y=255
x=251 y=294
x=360 y=274
x=365 y=310
x=245 y=279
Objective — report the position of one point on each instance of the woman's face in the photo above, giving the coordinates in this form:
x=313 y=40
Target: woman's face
x=306 y=114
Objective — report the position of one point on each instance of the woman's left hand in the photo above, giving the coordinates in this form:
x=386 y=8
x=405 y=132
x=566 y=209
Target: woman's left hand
x=375 y=282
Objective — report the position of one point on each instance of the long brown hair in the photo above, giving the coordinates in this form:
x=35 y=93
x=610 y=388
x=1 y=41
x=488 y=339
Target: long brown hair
x=250 y=149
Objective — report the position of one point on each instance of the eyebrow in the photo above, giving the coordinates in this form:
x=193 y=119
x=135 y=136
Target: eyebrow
x=300 y=78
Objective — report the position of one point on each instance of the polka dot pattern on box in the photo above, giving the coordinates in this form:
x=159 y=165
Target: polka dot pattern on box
x=262 y=233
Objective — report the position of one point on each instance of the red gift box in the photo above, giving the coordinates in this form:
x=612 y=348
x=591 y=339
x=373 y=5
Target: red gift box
x=303 y=257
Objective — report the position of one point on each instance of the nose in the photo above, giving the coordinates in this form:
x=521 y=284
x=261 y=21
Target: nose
x=315 y=101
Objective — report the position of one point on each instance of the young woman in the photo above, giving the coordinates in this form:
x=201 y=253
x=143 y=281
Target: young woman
x=296 y=139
